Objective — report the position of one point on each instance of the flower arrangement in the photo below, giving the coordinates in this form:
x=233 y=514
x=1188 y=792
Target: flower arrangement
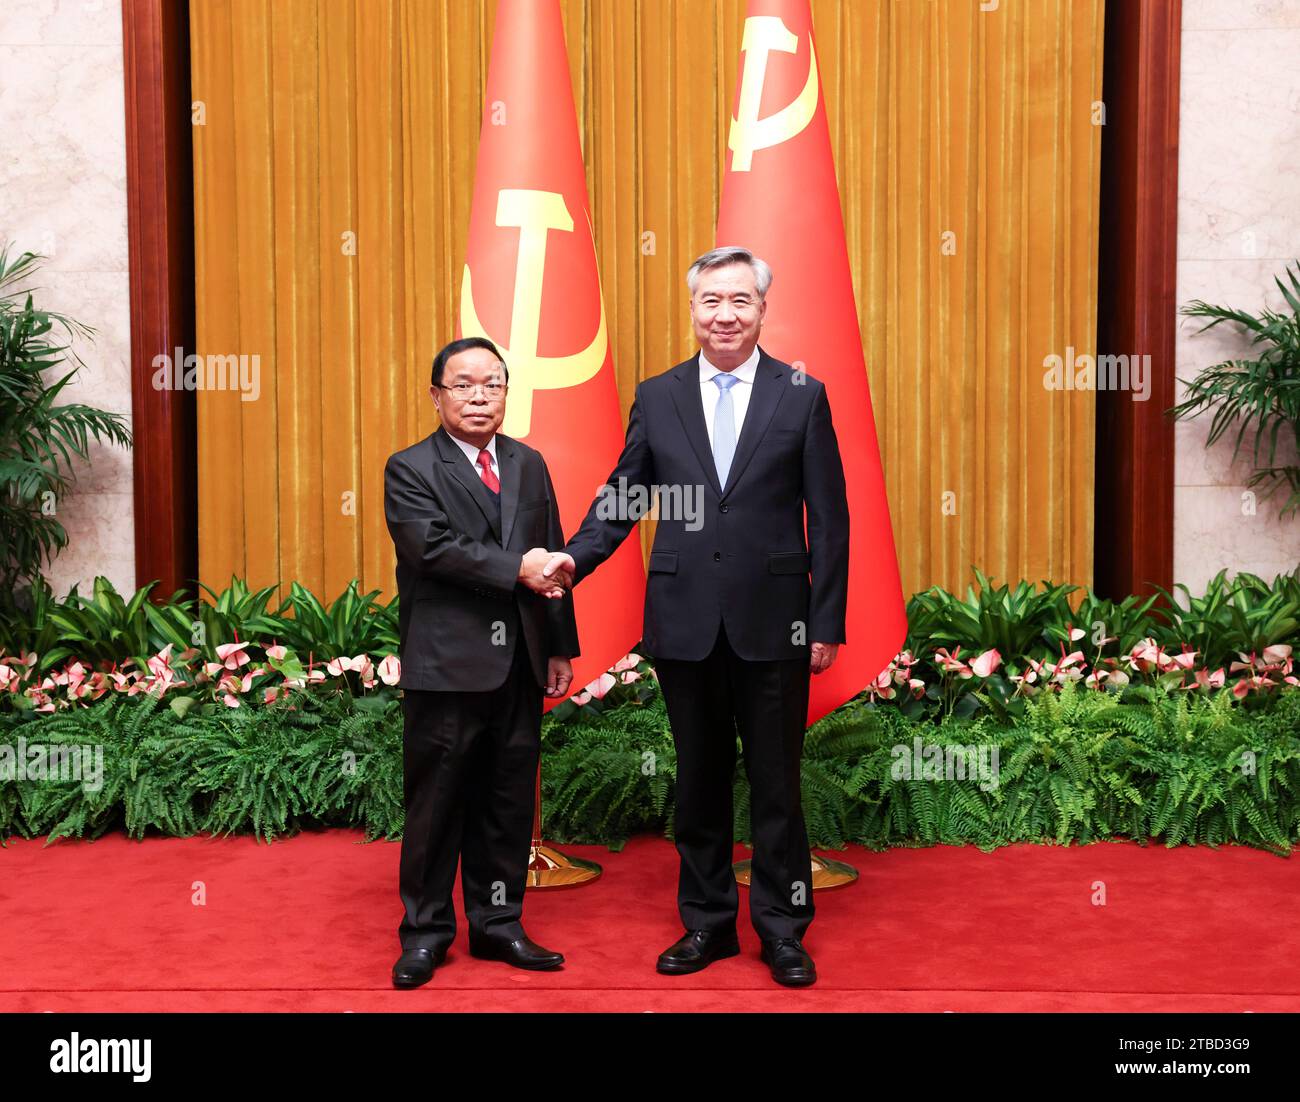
x=233 y=680
x=989 y=652
x=236 y=678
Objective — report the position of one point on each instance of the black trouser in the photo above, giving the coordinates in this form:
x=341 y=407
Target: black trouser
x=767 y=703
x=470 y=775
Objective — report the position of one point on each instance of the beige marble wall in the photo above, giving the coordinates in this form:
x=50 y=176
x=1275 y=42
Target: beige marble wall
x=63 y=193
x=1238 y=227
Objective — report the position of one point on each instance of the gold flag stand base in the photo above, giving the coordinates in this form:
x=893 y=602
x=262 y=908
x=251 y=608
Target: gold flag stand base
x=827 y=873
x=549 y=868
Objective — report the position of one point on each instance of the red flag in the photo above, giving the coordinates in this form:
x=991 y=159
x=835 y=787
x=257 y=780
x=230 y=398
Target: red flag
x=531 y=286
x=780 y=200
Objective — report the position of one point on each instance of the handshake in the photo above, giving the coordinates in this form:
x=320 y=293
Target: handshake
x=549 y=573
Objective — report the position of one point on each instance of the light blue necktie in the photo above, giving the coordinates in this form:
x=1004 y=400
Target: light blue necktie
x=724 y=426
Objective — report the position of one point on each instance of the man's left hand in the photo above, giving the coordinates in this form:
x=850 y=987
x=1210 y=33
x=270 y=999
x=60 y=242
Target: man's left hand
x=823 y=656
x=559 y=675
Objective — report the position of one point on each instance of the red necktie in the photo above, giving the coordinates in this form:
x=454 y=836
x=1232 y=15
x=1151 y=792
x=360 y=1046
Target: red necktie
x=489 y=479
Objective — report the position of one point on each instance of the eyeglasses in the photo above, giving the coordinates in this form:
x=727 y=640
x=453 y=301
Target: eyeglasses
x=491 y=391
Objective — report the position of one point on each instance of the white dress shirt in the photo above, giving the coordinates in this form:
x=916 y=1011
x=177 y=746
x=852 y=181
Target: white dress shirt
x=710 y=391
x=471 y=453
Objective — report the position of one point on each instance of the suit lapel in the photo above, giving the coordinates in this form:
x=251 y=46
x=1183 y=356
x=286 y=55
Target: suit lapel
x=462 y=470
x=508 y=462
x=767 y=395
x=768 y=391
x=690 y=408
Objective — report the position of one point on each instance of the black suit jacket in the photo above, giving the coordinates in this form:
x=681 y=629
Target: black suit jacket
x=748 y=565
x=458 y=565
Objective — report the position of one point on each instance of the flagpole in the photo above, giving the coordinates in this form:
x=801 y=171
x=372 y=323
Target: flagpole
x=531 y=266
x=548 y=867
x=780 y=199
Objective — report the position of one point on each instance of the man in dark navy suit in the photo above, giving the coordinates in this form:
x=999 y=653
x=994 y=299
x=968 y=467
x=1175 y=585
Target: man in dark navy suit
x=483 y=635
x=739 y=608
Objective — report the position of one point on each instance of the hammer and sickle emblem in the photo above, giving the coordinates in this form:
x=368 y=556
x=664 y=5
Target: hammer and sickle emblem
x=535 y=214
x=763 y=34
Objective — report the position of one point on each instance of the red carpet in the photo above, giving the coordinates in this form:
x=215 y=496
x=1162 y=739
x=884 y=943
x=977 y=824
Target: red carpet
x=310 y=923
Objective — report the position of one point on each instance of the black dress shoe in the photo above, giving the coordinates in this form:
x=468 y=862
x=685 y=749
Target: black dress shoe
x=698 y=949
x=522 y=952
x=415 y=967
x=789 y=962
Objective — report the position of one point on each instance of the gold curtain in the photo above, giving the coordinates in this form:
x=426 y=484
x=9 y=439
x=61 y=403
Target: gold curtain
x=334 y=152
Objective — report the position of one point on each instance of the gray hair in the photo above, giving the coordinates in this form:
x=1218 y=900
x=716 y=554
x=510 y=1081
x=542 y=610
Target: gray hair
x=724 y=257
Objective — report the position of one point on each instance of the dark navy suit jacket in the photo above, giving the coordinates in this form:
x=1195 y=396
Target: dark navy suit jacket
x=749 y=565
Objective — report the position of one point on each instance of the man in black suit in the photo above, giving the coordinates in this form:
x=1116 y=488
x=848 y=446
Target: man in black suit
x=483 y=634
x=732 y=617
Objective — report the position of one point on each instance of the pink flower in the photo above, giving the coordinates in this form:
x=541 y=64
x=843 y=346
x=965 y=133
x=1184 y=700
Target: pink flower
x=276 y=652
x=882 y=687
x=96 y=686
x=41 y=699
x=161 y=661
x=232 y=655
x=1067 y=669
x=76 y=675
x=162 y=676
x=359 y=664
x=952 y=663
x=1144 y=656
x=125 y=683
x=1252 y=683
x=1206 y=680
x=1024 y=682
x=1277 y=654
x=230 y=686
x=626 y=669
x=981 y=666
x=600 y=686
x=390 y=670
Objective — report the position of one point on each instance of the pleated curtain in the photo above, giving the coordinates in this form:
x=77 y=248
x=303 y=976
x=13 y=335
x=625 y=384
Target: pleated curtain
x=334 y=152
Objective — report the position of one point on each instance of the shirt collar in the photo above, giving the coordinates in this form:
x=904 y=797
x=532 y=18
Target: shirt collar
x=745 y=372
x=471 y=452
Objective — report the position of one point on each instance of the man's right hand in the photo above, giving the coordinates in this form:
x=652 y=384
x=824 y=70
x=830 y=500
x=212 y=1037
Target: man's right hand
x=534 y=573
x=561 y=564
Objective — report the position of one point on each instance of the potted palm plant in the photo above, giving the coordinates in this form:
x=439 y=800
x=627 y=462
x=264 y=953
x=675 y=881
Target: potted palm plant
x=40 y=439
x=1261 y=393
